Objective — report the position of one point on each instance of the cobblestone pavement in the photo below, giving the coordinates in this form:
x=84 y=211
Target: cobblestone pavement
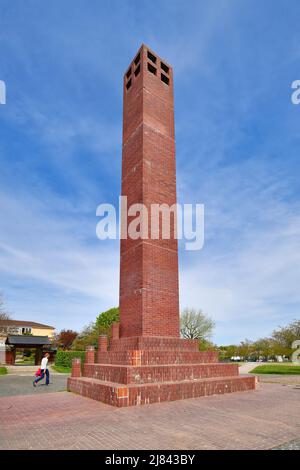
x=12 y=385
x=263 y=419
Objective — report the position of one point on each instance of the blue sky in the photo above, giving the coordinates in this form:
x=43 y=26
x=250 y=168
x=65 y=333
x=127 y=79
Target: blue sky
x=237 y=137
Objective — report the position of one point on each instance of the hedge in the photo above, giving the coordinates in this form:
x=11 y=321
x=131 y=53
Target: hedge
x=64 y=358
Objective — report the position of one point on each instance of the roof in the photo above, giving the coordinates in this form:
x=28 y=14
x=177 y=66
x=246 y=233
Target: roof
x=24 y=324
x=27 y=340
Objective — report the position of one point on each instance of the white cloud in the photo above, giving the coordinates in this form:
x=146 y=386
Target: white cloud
x=54 y=252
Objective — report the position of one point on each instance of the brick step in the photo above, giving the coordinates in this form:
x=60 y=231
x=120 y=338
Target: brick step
x=153 y=357
x=157 y=343
x=125 y=374
x=139 y=394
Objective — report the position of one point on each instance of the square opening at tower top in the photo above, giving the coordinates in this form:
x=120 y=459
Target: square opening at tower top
x=137 y=70
x=137 y=59
x=128 y=73
x=128 y=84
x=151 y=57
x=151 y=68
x=164 y=67
x=164 y=78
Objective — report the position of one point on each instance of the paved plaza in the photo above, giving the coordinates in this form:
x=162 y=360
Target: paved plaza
x=263 y=419
x=12 y=385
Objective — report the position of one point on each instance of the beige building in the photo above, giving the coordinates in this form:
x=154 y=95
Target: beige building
x=20 y=327
x=24 y=334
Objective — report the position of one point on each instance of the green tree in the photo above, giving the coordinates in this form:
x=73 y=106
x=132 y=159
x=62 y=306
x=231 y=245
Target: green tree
x=227 y=352
x=245 y=348
x=206 y=345
x=194 y=324
x=90 y=333
x=4 y=314
x=106 y=319
x=262 y=347
x=283 y=338
x=66 y=338
x=87 y=337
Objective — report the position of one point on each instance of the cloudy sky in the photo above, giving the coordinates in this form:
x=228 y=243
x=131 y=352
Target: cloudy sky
x=237 y=137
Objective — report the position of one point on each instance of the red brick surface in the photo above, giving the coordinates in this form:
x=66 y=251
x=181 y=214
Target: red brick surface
x=90 y=355
x=137 y=394
x=158 y=373
x=149 y=302
x=76 y=367
x=102 y=343
x=115 y=330
x=150 y=357
x=154 y=343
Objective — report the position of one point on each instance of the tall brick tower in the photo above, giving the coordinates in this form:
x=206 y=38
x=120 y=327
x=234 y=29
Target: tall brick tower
x=144 y=360
x=149 y=302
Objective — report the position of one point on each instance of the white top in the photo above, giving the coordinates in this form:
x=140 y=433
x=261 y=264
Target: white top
x=44 y=363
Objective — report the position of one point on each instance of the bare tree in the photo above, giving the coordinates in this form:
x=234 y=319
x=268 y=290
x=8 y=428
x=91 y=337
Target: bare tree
x=194 y=324
x=4 y=314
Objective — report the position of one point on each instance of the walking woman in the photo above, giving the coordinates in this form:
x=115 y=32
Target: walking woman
x=44 y=370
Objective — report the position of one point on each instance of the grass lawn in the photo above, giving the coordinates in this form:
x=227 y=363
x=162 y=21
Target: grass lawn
x=3 y=371
x=62 y=369
x=284 y=369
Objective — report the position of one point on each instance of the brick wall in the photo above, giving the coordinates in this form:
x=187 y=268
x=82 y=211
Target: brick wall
x=149 y=301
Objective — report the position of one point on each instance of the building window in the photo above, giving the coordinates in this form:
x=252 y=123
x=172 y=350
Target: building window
x=128 y=73
x=164 y=67
x=128 y=84
x=137 y=59
x=151 y=57
x=151 y=69
x=164 y=78
x=26 y=331
x=137 y=71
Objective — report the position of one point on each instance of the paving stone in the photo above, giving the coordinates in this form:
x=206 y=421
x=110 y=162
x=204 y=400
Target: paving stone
x=264 y=419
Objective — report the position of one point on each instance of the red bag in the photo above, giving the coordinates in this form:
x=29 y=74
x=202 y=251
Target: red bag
x=38 y=373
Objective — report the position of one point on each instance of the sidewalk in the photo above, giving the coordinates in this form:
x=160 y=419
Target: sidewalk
x=22 y=370
x=248 y=366
x=263 y=419
x=15 y=384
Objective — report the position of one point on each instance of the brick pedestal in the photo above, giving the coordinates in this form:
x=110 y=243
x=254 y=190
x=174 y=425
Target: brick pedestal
x=158 y=369
x=102 y=343
x=76 y=368
x=90 y=355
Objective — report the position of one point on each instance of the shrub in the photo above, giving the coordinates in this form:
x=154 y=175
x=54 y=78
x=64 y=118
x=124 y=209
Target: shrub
x=64 y=358
x=3 y=371
x=106 y=319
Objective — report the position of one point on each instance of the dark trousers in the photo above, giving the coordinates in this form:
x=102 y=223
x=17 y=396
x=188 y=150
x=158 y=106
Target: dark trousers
x=44 y=372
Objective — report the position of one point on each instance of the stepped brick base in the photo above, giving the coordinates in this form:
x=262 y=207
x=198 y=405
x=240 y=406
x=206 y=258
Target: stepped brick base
x=141 y=370
x=129 y=395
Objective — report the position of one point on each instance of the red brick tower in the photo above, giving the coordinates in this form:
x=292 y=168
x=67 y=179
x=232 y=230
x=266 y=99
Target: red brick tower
x=149 y=301
x=145 y=361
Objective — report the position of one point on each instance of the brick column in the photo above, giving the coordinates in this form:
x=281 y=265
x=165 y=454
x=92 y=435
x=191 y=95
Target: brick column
x=115 y=330
x=102 y=343
x=149 y=299
x=76 y=367
x=90 y=355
